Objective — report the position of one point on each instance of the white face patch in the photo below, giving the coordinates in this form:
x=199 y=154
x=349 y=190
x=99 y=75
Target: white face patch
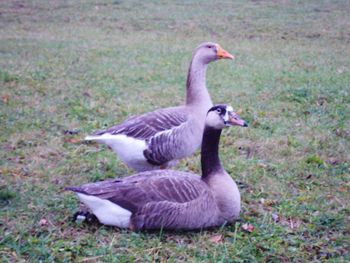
x=214 y=120
x=217 y=120
x=228 y=110
x=226 y=118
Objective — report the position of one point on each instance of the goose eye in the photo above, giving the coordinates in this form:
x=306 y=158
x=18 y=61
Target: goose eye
x=209 y=46
x=218 y=110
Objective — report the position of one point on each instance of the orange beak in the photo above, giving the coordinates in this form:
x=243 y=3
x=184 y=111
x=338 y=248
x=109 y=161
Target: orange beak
x=222 y=53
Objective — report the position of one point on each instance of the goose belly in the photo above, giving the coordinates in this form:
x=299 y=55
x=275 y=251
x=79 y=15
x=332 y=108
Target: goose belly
x=108 y=213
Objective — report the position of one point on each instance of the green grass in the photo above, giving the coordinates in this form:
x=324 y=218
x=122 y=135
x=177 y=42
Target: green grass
x=78 y=65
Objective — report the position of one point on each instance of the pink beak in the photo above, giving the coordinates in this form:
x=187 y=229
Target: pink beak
x=234 y=119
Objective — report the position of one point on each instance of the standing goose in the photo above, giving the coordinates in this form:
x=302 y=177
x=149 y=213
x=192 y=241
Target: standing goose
x=157 y=139
x=171 y=199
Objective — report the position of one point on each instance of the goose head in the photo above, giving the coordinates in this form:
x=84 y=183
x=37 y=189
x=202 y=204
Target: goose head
x=221 y=116
x=209 y=51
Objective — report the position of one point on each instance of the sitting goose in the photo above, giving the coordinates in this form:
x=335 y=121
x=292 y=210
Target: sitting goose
x=171 y=199
x=157 y=139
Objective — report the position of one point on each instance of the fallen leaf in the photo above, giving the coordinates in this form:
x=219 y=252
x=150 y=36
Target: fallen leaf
x=216 y=239
x=248 y=227
x=267 y=202
x=275 y=217
x=14 y=255
x=71 y=132
x=5 y=99
x=43 y=222
x=9 y=147
x=333 y=161
x=91 y=260
x=253 y=212
x=262 y=113
x=341 y=189
x=340 y=70
x=292 y=223
x=87 y=94
x=262 y=165
x=72 y=140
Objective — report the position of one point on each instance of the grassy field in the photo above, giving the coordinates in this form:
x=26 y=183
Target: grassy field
x=77 y=66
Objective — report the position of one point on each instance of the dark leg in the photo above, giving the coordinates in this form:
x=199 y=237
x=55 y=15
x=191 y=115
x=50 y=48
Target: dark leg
x=82 y=216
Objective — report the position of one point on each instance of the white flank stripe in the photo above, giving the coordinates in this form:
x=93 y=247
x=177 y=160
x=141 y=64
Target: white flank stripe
x=107 y=212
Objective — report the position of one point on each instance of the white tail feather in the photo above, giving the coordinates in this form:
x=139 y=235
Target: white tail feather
x=129 y=149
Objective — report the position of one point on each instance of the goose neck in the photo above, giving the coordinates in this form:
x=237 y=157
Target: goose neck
x=210 y=160
x=197 y=93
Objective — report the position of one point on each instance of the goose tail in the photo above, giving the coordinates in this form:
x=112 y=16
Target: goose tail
x=74 y=189
x=93 y=138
